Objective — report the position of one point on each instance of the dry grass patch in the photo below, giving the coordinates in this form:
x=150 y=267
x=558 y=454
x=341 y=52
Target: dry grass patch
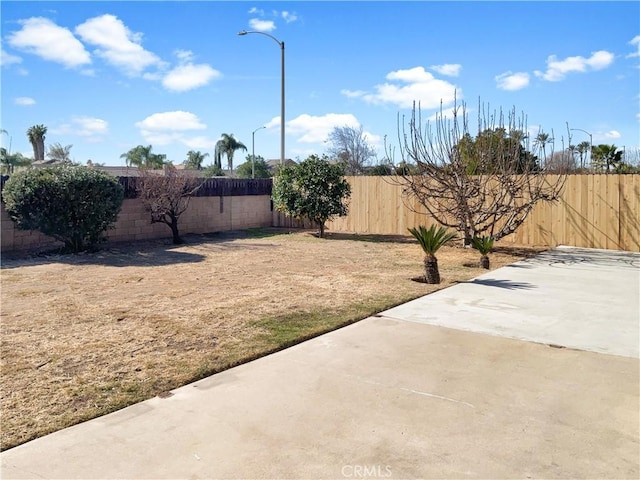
x=84 y=335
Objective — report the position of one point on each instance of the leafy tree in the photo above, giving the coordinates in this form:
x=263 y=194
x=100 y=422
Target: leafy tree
x=313 y=189
x=431 y=240
x=381 y=170
x=70 y=203
x=36 y=136
x=480 y=186
x=227 y=145
x=59 y=153
x=212 y=171
x=194 y=159
x=349 y=145
x=9 y=162
x=247 y=169
x=142 y=157
x=606 y=157
x=166 y=196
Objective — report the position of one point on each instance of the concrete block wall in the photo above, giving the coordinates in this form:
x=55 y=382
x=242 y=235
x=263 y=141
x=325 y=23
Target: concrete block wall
x=204 y=215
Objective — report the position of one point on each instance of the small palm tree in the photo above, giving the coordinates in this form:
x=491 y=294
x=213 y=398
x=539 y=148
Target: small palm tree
x=227 y=145
x=484 y=245
x=431 y=239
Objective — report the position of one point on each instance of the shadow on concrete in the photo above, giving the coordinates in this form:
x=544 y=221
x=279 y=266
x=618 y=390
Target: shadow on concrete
x=508 y=284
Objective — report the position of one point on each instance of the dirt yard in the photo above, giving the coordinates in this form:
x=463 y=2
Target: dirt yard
x=84 y=335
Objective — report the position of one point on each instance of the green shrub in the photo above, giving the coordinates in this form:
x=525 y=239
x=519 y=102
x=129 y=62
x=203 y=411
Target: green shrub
x=73 y=204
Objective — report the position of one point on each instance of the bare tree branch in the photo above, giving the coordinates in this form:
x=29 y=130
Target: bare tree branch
x=482 y=186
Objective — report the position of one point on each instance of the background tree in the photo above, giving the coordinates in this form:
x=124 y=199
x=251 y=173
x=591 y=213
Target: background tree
x=194 y=159
x=227 y=146
x=542 y=139
x=313 y=189
x=247 y=169
x=142 y=157
x=583 y=148
x=606 y=158
x=70 y=203
x=212 y=171
x=483 y=186
x=36 y=136
x=59 y=153
x=166 y=196
x=9 y=161
x=563 y=161
x=349 y=145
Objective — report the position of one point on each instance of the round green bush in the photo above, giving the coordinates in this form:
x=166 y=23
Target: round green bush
x=73 y=204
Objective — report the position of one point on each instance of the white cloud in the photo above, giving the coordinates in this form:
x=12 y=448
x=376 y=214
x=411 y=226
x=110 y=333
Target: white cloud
x=189 y=76
x=262 y=25
x=7 y=59
x=315 y=129
x=256 y=11
x=117 y=45
x=92 y=129
x=41 y=37
x=422 y=88
x=289 y=17
x=512 y=81
x=169 y=127
x=558 y=69
x=448 y=69
x=635 y=42
x=611 y=134
x=24 y=101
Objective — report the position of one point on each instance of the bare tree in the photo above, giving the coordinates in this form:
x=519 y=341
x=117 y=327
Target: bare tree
x=350 y=146
x=485 y=186
x=166 y=196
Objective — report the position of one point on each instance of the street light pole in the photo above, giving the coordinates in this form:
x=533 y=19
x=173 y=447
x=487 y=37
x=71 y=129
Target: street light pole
x=590 y=141
x=253 y=151
x=245 y=32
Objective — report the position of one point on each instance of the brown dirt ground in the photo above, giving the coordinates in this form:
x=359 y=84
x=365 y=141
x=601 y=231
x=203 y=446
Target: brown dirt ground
x=84 y=335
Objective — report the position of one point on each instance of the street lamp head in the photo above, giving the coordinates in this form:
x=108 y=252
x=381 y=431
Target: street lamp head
x=242 y=32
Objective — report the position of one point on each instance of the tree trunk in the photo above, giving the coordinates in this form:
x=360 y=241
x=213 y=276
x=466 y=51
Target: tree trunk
x=174 y=230
x=484 y=262
x=321 y=225
x=432 y=274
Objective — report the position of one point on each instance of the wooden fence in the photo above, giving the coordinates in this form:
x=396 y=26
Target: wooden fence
x=595 y=211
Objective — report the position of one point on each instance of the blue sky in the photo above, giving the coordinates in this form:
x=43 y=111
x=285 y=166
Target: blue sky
x=107 y=76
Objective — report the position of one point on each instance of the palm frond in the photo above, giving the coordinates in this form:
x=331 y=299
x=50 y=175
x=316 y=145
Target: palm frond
x=432 y=238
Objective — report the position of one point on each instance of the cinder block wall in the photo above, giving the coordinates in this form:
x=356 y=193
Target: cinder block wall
x=204 y=215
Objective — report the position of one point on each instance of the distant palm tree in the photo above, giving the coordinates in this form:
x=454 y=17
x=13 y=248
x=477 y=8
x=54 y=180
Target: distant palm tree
x=9 y=161
x=59 y=153
x=36 y=136
x=542 y=139
x=582 y=148
x=431 y=239
x=227 y=145
x=141 y=156
x=195 y=159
